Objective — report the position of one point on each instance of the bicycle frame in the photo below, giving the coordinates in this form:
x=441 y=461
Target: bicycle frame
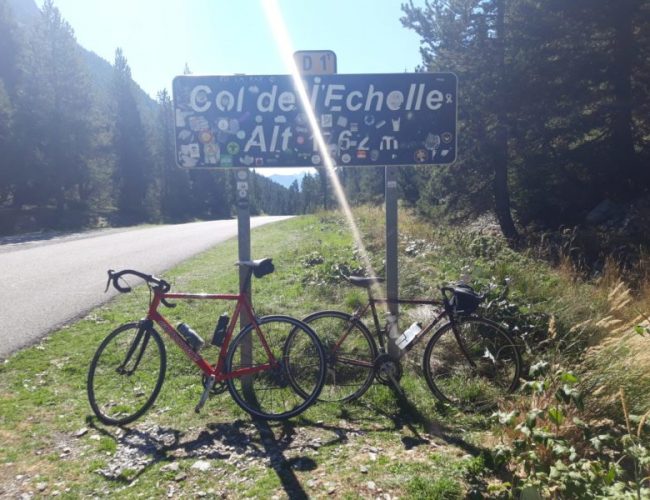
x=445 y=312
x=381 y=333
x=209 y=370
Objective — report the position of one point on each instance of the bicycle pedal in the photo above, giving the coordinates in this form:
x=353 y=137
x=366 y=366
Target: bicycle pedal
x=206 y=392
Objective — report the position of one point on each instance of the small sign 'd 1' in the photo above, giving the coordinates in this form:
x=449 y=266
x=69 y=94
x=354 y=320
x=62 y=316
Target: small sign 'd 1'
x=315 y=62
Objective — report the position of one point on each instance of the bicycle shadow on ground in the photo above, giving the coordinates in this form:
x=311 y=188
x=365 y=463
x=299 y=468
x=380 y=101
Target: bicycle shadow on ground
x=409 y=416
x=242 y=443
x=285 y=447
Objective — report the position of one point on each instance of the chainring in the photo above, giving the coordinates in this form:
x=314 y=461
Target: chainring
x=387 y=369
x=217 y=388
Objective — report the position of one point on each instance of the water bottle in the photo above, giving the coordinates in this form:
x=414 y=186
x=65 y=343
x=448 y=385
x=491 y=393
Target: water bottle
x=192 y=338
x=220 y=330
x=407 y=337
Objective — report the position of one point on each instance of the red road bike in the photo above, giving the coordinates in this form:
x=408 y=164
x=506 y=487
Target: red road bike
x=274 y=368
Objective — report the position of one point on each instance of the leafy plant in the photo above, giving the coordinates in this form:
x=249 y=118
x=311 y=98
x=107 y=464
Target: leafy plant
x=552 y=451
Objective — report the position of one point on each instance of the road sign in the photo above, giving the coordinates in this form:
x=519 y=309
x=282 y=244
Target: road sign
x=371 y=119
x=315 y=62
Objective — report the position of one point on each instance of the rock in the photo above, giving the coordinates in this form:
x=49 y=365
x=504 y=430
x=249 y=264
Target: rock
x=363 y=469
x=371 y=485
x=172 y=467
x=202 y=465
x=41 y=486
x=180 y=477
x=81 y=432
x=605 y=211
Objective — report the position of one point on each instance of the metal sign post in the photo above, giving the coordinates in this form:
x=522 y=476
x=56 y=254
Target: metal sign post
x=392 y=278
x=244 y=244
x=244 y=233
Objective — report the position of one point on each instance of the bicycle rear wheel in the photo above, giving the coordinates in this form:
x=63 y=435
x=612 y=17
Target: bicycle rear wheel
x=471 y=364
x=126 y=374
x=271 y=393
x=350 y=353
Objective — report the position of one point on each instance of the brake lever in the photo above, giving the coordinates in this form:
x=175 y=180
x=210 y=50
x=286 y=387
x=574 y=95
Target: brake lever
x=165 y=288
x=168 y=304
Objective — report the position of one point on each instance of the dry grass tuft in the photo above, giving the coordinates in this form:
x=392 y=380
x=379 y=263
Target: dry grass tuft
x=621 y=357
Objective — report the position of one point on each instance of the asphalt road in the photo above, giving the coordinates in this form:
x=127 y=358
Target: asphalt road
x=48 y=282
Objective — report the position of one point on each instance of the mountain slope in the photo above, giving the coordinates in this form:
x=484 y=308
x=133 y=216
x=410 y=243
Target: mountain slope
x=26 y=13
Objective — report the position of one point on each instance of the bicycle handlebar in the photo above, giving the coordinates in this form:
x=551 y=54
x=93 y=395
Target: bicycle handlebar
x=150 y=279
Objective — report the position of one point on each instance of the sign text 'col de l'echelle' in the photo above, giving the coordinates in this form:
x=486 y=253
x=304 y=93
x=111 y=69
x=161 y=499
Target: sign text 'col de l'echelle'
x=366 y=119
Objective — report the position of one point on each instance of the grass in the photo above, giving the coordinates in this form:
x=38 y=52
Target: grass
x=382 y=444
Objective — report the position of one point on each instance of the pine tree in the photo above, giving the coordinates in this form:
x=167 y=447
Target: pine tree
x=133 y=160
x=176 y=203
x=52 y=122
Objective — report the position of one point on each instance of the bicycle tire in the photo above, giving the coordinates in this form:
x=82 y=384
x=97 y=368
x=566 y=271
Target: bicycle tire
x=122 y=387
x=452 y=378
x=271 y=394
x=350 y=365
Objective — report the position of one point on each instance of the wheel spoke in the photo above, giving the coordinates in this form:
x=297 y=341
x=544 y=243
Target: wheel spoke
x=292 y=385
x=119 y=394
x=350 y=351
x=472 y=365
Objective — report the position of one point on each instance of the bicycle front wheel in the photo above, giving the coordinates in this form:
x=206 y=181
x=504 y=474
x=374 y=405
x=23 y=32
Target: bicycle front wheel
x=126 y=374
x=271 y=392
x=471 y=364
x=350 y=353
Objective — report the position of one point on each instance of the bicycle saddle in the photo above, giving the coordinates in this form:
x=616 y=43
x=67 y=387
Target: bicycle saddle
x=260 y=267
x=364 y=282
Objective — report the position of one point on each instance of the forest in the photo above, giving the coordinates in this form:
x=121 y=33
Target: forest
x=81 y=145
x=554 y=100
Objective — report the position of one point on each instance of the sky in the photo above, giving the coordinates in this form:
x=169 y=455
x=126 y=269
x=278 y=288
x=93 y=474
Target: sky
x=221 y=37
x=224 y=37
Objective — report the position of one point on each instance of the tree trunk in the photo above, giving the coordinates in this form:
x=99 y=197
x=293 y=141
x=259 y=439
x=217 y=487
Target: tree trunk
x=501 y=190
x=323 y=185
x=626 y=161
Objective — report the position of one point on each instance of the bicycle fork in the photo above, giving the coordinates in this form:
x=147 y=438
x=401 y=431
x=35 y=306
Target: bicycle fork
x=209 y=384
x=142 y=340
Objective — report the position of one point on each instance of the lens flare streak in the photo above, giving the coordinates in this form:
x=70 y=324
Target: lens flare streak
x=285 y=47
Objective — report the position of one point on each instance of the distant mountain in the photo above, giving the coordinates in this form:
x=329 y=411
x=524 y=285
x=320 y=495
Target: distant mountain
x=287 y=179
